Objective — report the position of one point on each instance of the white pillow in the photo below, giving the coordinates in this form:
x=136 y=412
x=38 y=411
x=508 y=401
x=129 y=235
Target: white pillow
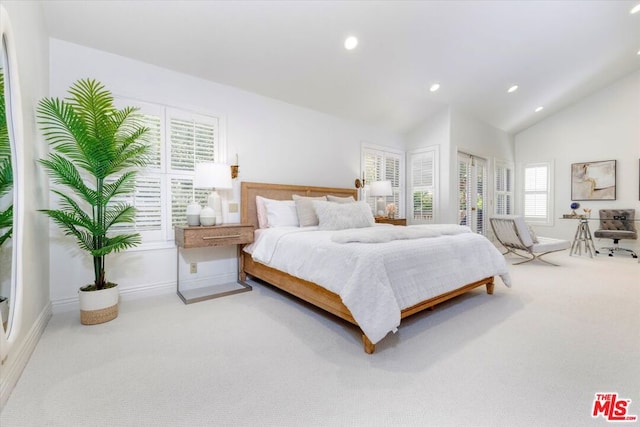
x=339 y=216
x=281 y=213
x=261 y=210
x=337 y=199
x=306 y=213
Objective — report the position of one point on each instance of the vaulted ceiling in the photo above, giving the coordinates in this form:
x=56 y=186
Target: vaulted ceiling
x=555 y=51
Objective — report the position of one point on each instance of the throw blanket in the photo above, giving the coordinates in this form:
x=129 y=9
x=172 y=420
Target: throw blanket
x=387 y=234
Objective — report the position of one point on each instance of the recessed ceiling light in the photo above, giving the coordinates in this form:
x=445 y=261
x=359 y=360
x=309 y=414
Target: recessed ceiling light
x=635 y=9
x=350 y=43
x=434 y=87
x=512 y=89
x=540 y=108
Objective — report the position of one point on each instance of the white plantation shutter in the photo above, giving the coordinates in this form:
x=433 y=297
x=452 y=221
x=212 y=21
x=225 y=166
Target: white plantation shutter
x=464 y=189
x=380 y=165
x=537 y=190
x=193 y=139
x=179 y=140
x=422 y=185
x=472 y=191
x=503 y=189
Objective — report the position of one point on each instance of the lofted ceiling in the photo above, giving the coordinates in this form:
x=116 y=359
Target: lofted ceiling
x=555 y=51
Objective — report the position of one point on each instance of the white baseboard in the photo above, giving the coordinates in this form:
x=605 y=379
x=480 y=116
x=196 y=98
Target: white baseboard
x=64 y=305
x=18 y=357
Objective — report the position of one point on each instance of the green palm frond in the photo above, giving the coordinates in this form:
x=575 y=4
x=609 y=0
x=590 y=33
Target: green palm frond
x=64 y=172
x=6 y=168
x=119 y=214
x=87 y=134
x=6 y=217
x=118 y=243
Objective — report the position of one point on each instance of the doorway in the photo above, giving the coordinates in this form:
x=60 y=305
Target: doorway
x=472 y=191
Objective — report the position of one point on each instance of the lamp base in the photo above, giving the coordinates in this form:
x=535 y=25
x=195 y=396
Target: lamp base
x=380 y=208
x=215 y=202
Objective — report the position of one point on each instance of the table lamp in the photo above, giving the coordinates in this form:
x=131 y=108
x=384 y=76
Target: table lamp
x=380 y=189
x=216 y=176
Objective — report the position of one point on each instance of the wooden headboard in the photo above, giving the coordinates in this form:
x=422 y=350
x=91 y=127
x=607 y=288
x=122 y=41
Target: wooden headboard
x=249 y=191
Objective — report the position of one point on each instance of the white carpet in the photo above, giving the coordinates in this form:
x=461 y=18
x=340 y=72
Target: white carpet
x=533 y=355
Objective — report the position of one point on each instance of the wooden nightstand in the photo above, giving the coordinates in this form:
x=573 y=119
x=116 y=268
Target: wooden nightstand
x=202 y=237
x=394 y=221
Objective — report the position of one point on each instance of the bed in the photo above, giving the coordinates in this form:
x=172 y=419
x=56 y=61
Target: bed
x=361 y=304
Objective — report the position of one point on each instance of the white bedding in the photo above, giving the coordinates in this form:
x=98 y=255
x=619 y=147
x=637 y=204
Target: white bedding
x=377 y=280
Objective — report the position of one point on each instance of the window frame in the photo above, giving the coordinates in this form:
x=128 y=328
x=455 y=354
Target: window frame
x=508 y=193
x=547 y=219
x=398 y=191
x=435 y=153
x=164 y=236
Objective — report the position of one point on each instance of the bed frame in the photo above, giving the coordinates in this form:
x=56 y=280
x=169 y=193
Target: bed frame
x=308 y=291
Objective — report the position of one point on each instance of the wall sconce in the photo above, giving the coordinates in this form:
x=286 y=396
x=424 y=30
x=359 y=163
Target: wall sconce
x=360 y=183
x=234 y=169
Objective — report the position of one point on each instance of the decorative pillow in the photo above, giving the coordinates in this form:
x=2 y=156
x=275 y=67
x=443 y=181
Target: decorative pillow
x=339 y=216
x=534 y=237
x=281 y=213
x=261 y=210
x=306 y=213
x=337 y=199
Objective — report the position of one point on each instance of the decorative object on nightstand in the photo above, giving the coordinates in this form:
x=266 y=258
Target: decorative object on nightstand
x=207 y=217
x=193 y=214
x=216 y=176
x=391 y=210
x=204 y=237
x=380 y=189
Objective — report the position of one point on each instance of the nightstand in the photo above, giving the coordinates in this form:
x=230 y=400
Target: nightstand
x=394 y=221
x=202 y=237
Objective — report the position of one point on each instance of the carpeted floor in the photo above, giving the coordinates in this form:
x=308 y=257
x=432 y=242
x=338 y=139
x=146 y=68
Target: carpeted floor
x=532 y=355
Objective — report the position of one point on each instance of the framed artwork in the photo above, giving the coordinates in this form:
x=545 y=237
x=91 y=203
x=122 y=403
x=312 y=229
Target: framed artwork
x=593 y=180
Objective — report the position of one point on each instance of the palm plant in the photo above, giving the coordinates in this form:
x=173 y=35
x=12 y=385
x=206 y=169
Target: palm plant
x=6 y=171
x=95 y=148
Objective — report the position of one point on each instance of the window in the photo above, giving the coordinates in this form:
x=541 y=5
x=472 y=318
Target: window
x=423 y=184
x=382 y=164
x=537 y=192
x=179 y=140
x=503 y=189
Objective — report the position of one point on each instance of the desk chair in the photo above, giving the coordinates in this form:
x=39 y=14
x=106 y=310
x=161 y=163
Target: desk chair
x=617 y=224
x=514 y=234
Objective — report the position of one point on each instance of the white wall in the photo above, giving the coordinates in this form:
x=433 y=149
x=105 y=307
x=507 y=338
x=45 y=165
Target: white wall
x=32 y=61
x=473 y=136
x=434 y=131
x=602 y=126
x=276 y=142
x=454 y=131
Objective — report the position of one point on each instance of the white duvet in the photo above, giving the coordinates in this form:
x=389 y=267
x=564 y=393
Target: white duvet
x=375 y=276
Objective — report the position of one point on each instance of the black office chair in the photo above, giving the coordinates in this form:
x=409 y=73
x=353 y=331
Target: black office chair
x=617 y=224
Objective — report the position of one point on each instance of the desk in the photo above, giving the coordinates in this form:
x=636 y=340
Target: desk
x=582 y=239
x=202 y=237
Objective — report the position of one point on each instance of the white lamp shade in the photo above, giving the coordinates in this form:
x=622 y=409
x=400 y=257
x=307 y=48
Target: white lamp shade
x=212 y=175
x=381 y=188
